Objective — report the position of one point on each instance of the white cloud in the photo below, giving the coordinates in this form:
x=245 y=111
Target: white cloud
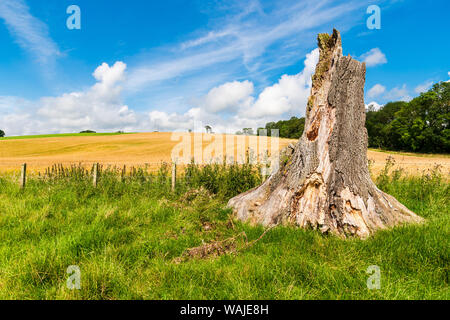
x=228 y=97
x=107 y=75
x=286 y=97
x=374 y=57
x=29 y=32
x=99 y=108
x=163 y=121
x=376 y=90
x=157 y=72
x=17 y=116
x=374 y=105
x=423 y=87
x=212 y=36
x=398 y=94
x=290 y=94
x=8 y=103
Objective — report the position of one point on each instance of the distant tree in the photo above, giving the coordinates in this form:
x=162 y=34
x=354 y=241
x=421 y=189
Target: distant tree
x=292 y=128
x=2 y=133
x=259 y=132
x=88 y=131
x=208 y=129
x=248 y=131
x=421 y=125
x=377 y=122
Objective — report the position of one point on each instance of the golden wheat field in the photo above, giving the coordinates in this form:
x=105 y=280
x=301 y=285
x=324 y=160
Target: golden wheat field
x=151 y=149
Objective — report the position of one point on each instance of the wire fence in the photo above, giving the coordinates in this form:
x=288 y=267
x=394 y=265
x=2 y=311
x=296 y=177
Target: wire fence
x=95 y=170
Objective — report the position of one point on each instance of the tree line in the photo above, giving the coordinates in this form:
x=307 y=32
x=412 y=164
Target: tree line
x=421 y=125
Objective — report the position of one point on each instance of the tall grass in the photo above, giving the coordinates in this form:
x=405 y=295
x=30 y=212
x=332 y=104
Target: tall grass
x=126 y=234
x=221 y=180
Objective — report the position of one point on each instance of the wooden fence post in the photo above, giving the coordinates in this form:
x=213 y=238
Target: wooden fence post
x=95 y=175
x=23 y=176
x=174 y=175
x=124 y=170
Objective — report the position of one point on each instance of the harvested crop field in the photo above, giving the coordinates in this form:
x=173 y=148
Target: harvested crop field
x=138 y=149
x=151 y=149
x=411 y=163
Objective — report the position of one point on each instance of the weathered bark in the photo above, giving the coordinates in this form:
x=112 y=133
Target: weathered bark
x=323 y=181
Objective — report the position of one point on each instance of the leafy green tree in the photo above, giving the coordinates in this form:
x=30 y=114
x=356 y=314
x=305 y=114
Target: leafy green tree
x=2 y=133
x=248 y=131
x=376 y=122
x=292 y=128
x=421 y=125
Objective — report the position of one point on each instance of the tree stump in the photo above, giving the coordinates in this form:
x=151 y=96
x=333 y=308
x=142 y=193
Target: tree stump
x=324 y=181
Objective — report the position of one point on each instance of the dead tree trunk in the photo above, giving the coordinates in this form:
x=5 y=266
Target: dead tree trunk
x=323 y=181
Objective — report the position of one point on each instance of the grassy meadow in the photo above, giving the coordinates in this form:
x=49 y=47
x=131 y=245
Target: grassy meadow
x=132 y=239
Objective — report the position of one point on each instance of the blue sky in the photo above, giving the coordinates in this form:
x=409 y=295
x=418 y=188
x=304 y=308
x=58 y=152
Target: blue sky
x=149 y=65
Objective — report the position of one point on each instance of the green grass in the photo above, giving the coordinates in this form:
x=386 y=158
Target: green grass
x=62 y=135
x=124 y=237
